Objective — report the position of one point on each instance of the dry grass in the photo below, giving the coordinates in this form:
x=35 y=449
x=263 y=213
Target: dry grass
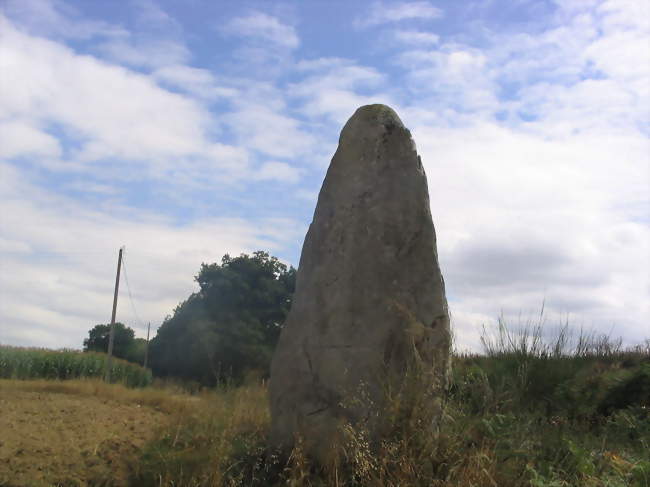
x=214 y=442
x=80 y=432
x=192 y=438
x=168 y=400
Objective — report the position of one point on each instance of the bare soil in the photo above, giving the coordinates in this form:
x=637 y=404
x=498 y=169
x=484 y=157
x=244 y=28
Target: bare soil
x=54 y=438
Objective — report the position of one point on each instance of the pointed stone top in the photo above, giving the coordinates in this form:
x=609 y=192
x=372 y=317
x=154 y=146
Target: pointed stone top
x=378 y=113
x=378 y=117
x=382 y=113
x=371 y=121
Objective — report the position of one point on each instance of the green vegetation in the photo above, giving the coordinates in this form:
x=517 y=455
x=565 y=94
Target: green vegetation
x=230 y=327
x=125 y=345
x=525 y=413
x=223 y=333
x=35 y=363
x=532 y=410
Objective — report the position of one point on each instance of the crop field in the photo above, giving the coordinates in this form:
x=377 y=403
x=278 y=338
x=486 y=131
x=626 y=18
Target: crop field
x=37 y=363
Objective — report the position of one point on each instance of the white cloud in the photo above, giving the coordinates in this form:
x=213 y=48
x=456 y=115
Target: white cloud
x=382 y=13
x=310 y=196
x=261 y=124
x=263 y=27
x=110 y=112
x=277 y=171
x=195 y=81
x=521 y=218
x=153 y=16
x=57 y=19
x=155 y=41
x=13 y=247
x=538 y=161
x=415 y=37
x=88 y=187
x=575 y=74
x=65 y=255
x=331 y=87
x=149 y=53
x=453 y=77
x=625 y=14
x=535 y=145
x=19 y=138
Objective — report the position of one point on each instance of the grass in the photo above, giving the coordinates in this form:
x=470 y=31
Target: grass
x=79 y=431
x=36 y=363
x=220 y=440
x=527 y=412
x=170 y=400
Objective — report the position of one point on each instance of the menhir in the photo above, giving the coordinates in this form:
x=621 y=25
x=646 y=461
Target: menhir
x=368 y=330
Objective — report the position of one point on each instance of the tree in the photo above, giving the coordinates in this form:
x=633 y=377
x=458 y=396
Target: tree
x=123 y=344
x=135 y=352
x=231 y=325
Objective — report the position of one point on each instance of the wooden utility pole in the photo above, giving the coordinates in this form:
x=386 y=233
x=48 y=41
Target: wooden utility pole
x=111 y=336
x=146 y=348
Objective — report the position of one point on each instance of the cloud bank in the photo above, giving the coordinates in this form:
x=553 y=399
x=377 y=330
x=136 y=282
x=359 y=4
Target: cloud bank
x=534 y=137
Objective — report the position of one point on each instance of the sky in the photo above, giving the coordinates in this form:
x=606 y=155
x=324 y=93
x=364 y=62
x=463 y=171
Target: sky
x=187 y=130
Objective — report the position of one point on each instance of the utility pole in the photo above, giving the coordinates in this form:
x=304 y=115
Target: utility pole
x=146 y=348
x=111 y=336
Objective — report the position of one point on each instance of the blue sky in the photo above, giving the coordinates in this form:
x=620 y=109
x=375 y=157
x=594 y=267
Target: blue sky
x=185 y=130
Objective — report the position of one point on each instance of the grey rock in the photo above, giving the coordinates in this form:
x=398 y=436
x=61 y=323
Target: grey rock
x=369 y=308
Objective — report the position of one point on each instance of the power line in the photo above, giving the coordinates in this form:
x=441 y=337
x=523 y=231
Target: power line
x=128 y=288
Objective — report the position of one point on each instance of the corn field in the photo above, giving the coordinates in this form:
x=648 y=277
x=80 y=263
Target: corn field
x=36 y=363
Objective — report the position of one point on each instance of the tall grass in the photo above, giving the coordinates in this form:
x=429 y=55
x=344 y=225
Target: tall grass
x=218 y=439
x=575 y=373
x=36 y=363
x=536 y=340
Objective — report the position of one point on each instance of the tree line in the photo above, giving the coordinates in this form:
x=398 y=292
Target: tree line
x=225 y=330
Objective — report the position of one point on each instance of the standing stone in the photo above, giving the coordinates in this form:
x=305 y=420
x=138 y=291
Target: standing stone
x=369 y=307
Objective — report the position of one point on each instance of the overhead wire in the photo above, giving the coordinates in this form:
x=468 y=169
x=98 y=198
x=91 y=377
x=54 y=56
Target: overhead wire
x=128 y=288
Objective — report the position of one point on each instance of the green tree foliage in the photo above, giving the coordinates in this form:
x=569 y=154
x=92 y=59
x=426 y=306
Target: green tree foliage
x=125 y=345
x=231 y=325
x=135 y=352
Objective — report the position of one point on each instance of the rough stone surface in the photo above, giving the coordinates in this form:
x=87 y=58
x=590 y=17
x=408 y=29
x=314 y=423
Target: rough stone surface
x=369 y=300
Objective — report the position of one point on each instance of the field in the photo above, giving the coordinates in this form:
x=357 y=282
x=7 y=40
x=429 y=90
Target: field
x=86 y=432
x=38 y=363
x=522 y=414
x=70 y=433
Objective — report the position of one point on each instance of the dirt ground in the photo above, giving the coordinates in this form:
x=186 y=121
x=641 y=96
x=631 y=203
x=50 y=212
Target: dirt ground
x=50 y=438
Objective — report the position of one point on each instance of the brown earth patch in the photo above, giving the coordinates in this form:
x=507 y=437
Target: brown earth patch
x=70 y=439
